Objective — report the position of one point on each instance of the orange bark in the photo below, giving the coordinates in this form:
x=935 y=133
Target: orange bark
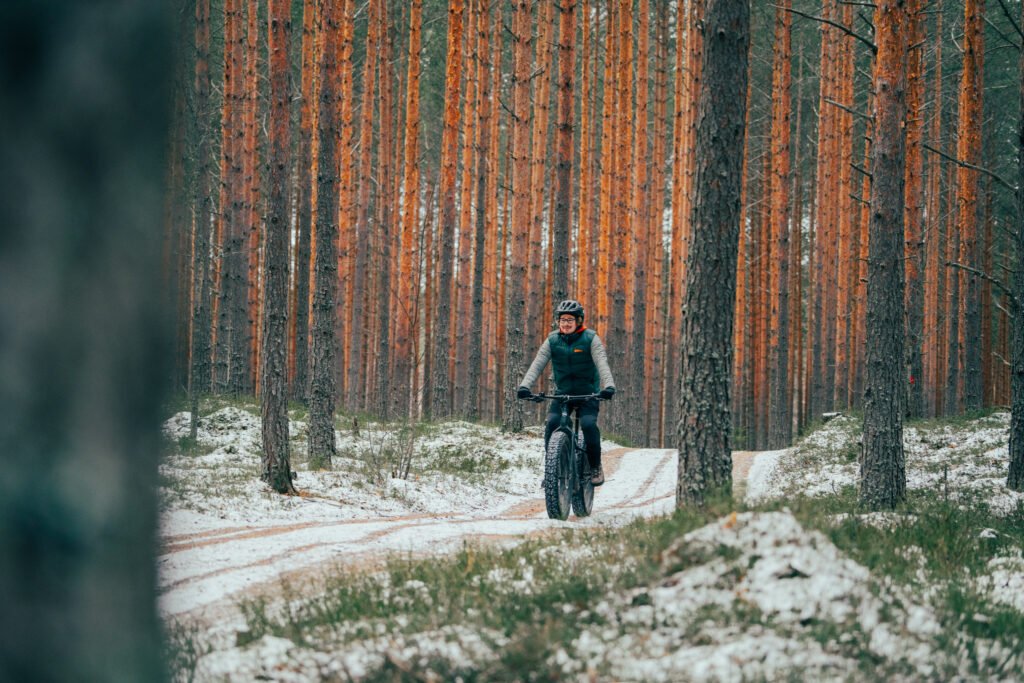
x=515 y=302
x=933 y=269
x=845 y=260
x=360 y=232
x=656 y=305
x=346 y=192
x=536 y=315
x=607 y=165
x=581 y=276
x=462 y=311
x=780 y=420
x=250 y=202
x=969 y=151
x=439 y=401
x=410 y=208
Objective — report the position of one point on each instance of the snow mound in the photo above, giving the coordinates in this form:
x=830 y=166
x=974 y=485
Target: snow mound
x=740 y=600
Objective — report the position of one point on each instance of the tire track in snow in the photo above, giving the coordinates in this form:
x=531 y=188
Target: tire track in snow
x=199 y=571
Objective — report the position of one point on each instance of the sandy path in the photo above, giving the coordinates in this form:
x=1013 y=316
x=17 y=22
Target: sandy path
x=203 y=575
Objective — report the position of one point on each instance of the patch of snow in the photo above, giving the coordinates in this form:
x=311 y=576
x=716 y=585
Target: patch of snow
x=1004 y=582
x=764 y=481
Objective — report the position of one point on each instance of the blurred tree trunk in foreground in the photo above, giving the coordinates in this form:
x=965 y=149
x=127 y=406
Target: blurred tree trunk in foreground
x=1015 y=479
x=82 y=340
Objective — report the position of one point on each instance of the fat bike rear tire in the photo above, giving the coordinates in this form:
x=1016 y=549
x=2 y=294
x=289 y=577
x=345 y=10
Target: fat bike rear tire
x=583 y=495
x=557 y=476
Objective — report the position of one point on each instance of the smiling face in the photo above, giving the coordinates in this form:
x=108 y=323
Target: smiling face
x=566 y=324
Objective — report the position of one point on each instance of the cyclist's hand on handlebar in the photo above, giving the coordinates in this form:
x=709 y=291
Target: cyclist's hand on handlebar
x=607 y=393
x=523 y=392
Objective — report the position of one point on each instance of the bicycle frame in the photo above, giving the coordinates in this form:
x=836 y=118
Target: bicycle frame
x=570 y=426
x=567 y=473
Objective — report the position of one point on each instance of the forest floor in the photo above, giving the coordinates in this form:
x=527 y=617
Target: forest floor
x=452 y=569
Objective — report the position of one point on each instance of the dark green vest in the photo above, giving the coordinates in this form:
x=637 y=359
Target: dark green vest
x=574 y=367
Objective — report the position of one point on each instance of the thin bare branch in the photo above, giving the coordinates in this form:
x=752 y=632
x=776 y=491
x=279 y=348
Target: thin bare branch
x=1006 y=11
x=1001 y=35
x=862 y=171
x=985 y=276
x=848 y=110
x=823 y=20
x=958 y=162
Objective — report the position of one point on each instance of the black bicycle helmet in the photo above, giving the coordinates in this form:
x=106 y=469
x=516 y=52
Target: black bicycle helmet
x=569 y=307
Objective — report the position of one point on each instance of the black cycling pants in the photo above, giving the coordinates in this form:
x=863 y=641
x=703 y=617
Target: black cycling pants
x=588 y=425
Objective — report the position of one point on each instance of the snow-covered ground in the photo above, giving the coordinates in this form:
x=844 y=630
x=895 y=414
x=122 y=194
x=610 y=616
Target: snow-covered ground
x=972 y=459
x=751 y=596
x=224 y=531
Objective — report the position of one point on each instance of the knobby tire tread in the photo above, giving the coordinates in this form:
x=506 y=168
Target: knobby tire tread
x=583 y=495
x=551 y=479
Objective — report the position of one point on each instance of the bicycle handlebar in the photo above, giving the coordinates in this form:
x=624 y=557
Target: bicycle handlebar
x=565 y=398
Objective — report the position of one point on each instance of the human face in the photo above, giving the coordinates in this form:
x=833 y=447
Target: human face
x=566 y=324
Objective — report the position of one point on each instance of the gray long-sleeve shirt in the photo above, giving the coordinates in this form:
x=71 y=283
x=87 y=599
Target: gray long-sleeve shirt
x=597 y=352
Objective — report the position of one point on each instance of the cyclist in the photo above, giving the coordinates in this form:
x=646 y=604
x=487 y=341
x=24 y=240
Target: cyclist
x=580 y=366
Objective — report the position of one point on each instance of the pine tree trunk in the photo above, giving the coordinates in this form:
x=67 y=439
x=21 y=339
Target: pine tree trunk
x=654 y=337
x=706 y=356
x=821 y=397
x=404 y=360
x=584 y=264
x=177 y=249
x=986 y=262
x=606 y=174
x=249 y=350
x=936 y=236
x=466 y=273
x=1015 y=477
x=519 y=224
x=356 y=366
x=858 y=284
x=677 y=262
x=951 y=397
x=323 y=350
x=640 y=229
x=484 y=173
x=741 y=303
x=537 y=314
x=346 y=201
x=842 y=205
x=969 y=151
x=306 y=198
x=276 y=460
x=883 y=469
x=441 y=399
x=794 y=397
x=200 y=376
x=762 y=396
x=914 y=251
x=385 y=150
x=780 y=420
x=562 y=224
x=230 y=295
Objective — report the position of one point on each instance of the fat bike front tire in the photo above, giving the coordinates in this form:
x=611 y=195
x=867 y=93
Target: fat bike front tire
x=583 y=495
x=557 y=475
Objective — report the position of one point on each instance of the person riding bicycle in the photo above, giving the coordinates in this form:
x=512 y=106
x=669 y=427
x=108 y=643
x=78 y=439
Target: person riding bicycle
x=580 y=366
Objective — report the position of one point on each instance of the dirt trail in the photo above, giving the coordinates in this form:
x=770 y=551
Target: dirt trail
x=204 y=575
